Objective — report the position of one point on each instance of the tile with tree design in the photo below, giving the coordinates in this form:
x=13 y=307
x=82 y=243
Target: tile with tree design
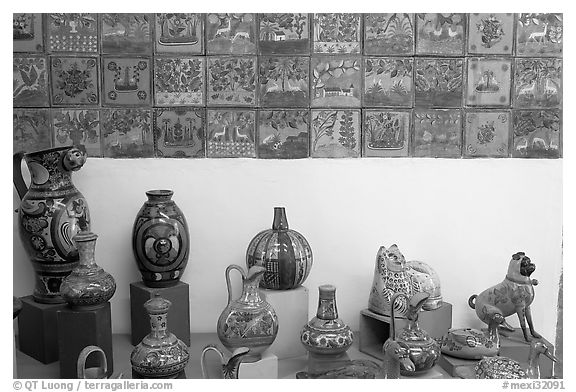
x=27 y=30
x=487 y=133
x=231 y=33
x=283 y=134
x=437 y=133
x=388 y=81
x=126 y=81
x=386 y=133
x=231 y=133
x=537 y=134
x=286 y=33
x=389 y=34
x=440 y=34
x=490 y=33
x=30 y=81
x=539 y=35
x=79 y=127
x=336 y=81
x=179 y=132
x=74 y=81
x=127 y=133
x=438 y=82
x=232 y=81
x=179 y=33
x=489 y=81
x=337 y=33
x=126 y=33
x=72 y=32
x=31 y=130
x=335 y=133
x=179 y=81
x=284 y=81
x=537 y=83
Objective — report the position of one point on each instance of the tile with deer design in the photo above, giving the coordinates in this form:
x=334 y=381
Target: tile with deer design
x=335 y=133
x=231 y=81
x=127 y=133
x=537 y=83
x=72 y=32
x=30 y=81
x=179 y=132
x=337 y=33
x=284 y=81
x=283 y=134
x=179 y=81
x=539 y=34
x=386 y=133
x=437 y=133
x=440 y=34
x=231 y=33
x=438 y=82
x=286 y=33
x=490 y=33
x=78 y=127
x=537 y=133
x=27 y=30
x=74 y=81
x=388 y=81
x=126 y=81
x=179 y=33
x=31 y=130
x=489 y=81
x=487 y=133
x=336 y=81
x=126 y=33
x=231 y=133
x=389 y=34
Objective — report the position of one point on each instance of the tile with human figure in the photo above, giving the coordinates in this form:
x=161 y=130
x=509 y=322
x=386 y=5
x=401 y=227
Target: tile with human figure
x=179 y=81
x=489 y=81
x=389 y=34
x=231 y=133
x=386 y=133
x=283 y=134
x=31 y=130
x=231 y=33
x=126 y=81
x=30 y=81
x=537 y=83
x=78 y=127
x=127 y=133
x=388 y=81
x=74 y=80
x=487 y=133
x=284 y=81
x=438 y=82
x=490 y=33
x=72 y=32
x=437 y=133
x=537 y=133
x=179 y=33
x=179 y=132
x=337 y=33
x=231 y=81
x=336 y=81
x=335 y=133
x=440 y=34
x=27 y=30
x=286 y=33
x=539 y=34
x=126 y=33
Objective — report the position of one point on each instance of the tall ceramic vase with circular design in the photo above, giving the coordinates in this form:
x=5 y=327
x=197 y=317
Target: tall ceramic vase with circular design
x=52 y=211
x=160 y=240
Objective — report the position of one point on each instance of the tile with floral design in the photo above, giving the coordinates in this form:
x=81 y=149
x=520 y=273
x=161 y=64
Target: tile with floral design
x=72 y=32
x=335 y=133
x=126 y=81
x=231 y=33
x=127 y=133
x=489 y=81
x=179 y=81
x=284 y=34
x=487 y=133
x=32 y=131
x=438 y=82
x=231 y=133
x=179 y=132
x=30 y=81
x=179 y=33
x=537 y=83
x=231 y=81
x=537 y=133
x=79 y=127
x=336 y=81
x=283 y=81
x=440 y=34
x=389 y=34
x=126 y=33
x=386 y=133
x=490 y=33
x=74 y=81
x=388 y=81
x=437 y=133
x=539 y=35
x=337 y=33
x=283 y=134
x=28 y=35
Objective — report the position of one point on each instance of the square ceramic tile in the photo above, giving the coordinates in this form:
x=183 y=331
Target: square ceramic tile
x=335 y=133
x=489 y=81
x=179 y=132
x=231 y=33
x=336 y=81
x=31 y=130
x=537 y=133
x=389 y=34
x=179 y=33
x=440 y=34
x=126 y=81
x=179 y=81
x=438 y=82
x=537 y=83
x=487 y=133
x=283 y=134
x=127 y=133
x=337 y=33
x=231 y=81
x=79 y=127
x=539 y=35
x=74 y=81
x=30 y=81
x=283 y=81
x=386 y=133
x=437 y=133
x=126 y=33
x=72 y=33
x=284 y=34
x=490 y=33
x=231 y=133
x=388 y=81
x=27 y=32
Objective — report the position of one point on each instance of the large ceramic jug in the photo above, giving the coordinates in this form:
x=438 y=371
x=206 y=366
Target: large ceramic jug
x=51 y=213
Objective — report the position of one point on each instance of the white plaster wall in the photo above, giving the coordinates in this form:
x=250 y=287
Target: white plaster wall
x=463 y=217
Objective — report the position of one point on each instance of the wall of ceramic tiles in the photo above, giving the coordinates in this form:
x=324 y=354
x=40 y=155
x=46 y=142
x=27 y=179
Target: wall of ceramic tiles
x=289 y=85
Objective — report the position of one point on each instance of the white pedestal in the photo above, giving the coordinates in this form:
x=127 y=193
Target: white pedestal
x=291 y=306
x=265 y=368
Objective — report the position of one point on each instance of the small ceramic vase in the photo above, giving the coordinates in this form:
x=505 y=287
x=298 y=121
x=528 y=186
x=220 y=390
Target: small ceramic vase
x=160 y=354
x=88 y=286
x=425 y=279
x=468 y=343
x=230 y=363
x=326 y=334
x=285 y=254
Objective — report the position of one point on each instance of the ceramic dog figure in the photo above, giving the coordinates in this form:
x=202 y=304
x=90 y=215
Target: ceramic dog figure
x=513 y=295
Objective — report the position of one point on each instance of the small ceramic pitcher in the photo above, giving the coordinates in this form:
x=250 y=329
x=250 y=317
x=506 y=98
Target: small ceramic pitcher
x=230 y=363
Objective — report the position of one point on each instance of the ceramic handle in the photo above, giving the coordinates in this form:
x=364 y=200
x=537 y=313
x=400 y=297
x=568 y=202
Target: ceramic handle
x=228 y=285
x=210 y=347
x=81 y=364
x=19 y=183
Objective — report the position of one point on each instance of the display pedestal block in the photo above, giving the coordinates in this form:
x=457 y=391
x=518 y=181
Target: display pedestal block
x=321 y=363
x=375 y=328
x=38 y=330
x=178 y=316
x=291 y=307
x=80 y=328
x=457 y=367
x=265 y=368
